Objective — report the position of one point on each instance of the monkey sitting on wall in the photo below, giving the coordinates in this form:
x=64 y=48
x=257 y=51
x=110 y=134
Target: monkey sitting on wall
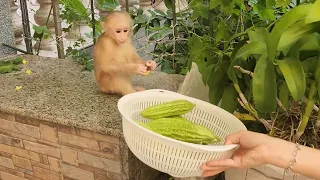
x=115 y=58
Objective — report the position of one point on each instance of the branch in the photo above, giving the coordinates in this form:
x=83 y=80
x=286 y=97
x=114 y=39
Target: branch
x=251 y=74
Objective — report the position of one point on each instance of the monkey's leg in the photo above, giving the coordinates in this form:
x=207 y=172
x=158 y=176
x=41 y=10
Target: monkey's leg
x=138 y=88
x=123 y=86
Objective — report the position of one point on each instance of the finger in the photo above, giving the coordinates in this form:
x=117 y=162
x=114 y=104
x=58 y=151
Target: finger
x=233 y=138
x=222 y=163
x=212 y=168
x=211 y=173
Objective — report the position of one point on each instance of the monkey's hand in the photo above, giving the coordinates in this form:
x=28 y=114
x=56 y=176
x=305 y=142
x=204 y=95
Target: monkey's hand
x=141 y=69
x=152 y=64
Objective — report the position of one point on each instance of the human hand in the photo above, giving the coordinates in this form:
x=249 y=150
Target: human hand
x=152 y=64
x=141 y=69
x=253 y=151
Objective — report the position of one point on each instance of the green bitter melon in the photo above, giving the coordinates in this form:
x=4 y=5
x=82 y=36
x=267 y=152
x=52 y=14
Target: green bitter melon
x=179 y=128
x=167 y=109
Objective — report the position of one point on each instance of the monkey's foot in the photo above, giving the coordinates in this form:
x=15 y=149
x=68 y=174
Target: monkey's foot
x=140 y=89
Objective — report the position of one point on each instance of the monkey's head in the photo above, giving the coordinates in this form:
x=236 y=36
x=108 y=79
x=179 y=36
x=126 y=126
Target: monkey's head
x=118 y=26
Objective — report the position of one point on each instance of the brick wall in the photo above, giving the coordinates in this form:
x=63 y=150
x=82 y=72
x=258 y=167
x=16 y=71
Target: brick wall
x=38 y=150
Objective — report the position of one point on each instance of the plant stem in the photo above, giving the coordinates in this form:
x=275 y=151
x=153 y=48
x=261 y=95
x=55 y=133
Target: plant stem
x=175 y=32
x=245 y=104
x=315 y=107
x=317 y=125
x=307 y=112
x=93 y=21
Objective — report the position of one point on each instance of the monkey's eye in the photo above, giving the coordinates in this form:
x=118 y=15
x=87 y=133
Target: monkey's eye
x=125 y=30
x=118 y=31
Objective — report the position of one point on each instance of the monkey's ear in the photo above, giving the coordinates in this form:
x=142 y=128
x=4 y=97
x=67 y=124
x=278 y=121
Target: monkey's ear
x=103 y=25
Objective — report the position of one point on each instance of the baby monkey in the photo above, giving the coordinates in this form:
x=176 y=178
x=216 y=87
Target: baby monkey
x=115 y=58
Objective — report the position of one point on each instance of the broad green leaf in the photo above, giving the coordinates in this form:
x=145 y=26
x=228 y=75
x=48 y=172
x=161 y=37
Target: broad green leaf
x=258 y=47
x=198 y=50
x=306 y=43
x=263 y=12
x=260 y=34
x=283 y=24
x=283 y=3
x=214 y=3
x=229 y=98
x=206 y=73
x=222 y=31
x=264 y=86
x=18 y=60
x=293 y=73
x=314 y=13
x=228 y=6
x=310 y=64
x=199 y=9
x=166 y=67
x=143 y=18
x=294 y=33
x=168 y=4
x=284 y=95
x=270 y=3
x=216 y=83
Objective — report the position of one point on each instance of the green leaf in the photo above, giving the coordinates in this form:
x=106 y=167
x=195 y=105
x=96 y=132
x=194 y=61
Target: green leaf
x=284 y=95
x=229 y=99
x=166 y=67
x=214 y=3
x=216 y=83
x=141 y=19
x=263 y=12
x=309 y=42
x=167 y=22
x=198 y=50
x=160 y=12
x=264 y=86
x=293 y=73
x=108 y=5
x=18 y=60
x=283 y=3
x=314 y=13
x=136 y=29
x=260 y=34
x=258 y=47
x=222 y=31
x=168 y=4
x=231 y=71
x=206 y=73
x=294 y=33
x=199 y=9
x=310 y=64
x=156 y=23
x=283 y=24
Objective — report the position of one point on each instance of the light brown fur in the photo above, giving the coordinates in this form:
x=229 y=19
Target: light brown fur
x=115 y=58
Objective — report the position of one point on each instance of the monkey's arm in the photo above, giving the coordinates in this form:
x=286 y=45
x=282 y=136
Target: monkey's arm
x=136 y=58
x=114 y=67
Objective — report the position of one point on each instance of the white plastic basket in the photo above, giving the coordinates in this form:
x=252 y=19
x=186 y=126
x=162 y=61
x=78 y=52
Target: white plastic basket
x=176 y=158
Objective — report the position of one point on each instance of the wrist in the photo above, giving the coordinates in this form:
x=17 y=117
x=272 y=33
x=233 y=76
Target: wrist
x=280 y=153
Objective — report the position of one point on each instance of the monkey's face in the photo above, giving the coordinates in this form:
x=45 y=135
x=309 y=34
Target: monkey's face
x=121 y=35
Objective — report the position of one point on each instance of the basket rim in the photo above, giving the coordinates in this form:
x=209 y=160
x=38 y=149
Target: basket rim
x=208 y=148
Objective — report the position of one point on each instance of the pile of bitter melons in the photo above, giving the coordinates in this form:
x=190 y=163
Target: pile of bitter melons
x=166 y=120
